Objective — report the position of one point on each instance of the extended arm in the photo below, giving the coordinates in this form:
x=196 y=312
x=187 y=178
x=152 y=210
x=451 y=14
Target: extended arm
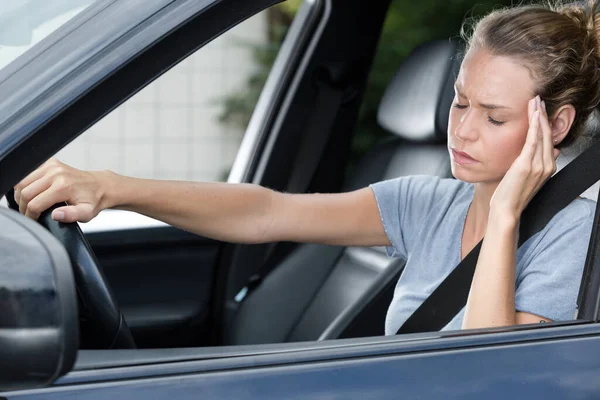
x=243 y=213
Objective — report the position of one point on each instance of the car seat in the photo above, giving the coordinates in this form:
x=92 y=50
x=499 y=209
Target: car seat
x=314 y=292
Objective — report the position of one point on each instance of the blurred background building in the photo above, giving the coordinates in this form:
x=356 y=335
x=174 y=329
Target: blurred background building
x=171 y=128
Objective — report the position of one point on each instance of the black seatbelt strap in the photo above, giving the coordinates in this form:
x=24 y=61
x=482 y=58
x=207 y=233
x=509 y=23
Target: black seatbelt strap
x=318 y=131
x=560 y=190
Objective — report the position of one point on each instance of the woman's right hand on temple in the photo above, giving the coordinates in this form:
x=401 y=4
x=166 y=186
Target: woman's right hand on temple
x=54 y=182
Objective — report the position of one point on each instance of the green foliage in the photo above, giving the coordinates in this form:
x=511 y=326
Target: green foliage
x=290 y=6
x=238 y=106
x=408 y=24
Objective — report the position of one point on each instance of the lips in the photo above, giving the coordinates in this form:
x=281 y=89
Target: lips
x=462 y=158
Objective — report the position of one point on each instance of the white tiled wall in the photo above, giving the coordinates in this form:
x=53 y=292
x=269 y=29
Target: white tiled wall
x=170 y=129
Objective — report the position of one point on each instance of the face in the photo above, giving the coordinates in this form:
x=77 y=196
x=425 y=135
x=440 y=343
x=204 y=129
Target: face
x=488 y=119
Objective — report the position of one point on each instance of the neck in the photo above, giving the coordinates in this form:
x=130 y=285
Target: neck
x=480 y=207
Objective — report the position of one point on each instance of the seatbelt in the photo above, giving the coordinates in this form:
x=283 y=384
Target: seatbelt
x=559 y=191
x=330 y=97
x=329 y=100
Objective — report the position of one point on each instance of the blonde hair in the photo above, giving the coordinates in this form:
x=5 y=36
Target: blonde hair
x=558 y=43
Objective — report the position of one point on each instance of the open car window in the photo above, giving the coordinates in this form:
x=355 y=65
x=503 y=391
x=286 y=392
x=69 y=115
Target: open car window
x=187 y=124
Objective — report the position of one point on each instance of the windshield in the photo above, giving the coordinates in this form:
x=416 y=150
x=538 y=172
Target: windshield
x=23 y=23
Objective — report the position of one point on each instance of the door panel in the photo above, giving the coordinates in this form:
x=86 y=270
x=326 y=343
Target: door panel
x=162 y=278
x=560 y=368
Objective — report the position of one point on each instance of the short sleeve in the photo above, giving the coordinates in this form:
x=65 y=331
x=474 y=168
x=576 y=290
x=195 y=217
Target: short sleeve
x=548 y=285
x=404 y=204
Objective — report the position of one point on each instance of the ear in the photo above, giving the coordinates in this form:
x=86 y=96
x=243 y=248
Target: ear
x=561 y=122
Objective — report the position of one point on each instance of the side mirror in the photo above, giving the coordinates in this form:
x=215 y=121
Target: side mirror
x=38 y=305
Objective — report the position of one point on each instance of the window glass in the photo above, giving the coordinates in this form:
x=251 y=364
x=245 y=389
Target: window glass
x=23 y=23
x=188 y=124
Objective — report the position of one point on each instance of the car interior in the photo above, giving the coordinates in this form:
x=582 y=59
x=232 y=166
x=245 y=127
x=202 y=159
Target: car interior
x=316 y=283
x=320 y=292
x=178 y=290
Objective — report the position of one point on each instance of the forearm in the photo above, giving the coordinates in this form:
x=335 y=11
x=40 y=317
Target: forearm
x=229 y=212
x=491 y=299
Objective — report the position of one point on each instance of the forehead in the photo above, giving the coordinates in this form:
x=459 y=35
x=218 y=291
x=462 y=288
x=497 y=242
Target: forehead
x=488 y=78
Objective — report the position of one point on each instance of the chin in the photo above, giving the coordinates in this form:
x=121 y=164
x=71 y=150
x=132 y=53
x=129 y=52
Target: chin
x=470 y=176
x=465 y=175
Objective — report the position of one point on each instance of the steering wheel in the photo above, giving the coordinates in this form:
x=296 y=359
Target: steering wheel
x=102 y=324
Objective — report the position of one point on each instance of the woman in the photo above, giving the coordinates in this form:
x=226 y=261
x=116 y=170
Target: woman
x=529 y=80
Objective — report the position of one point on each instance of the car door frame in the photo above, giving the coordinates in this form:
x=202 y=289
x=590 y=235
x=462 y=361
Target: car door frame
x=550 y=361
x=342 y=363
x=171 y=30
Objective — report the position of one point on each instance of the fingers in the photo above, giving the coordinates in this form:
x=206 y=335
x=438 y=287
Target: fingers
x=41 y=203
x=55 y=182
x=531 y=141
x=68 y=214
x=34 y=176
x=548 y=155
x=531 y=107
x=31 y=191
x=538 y=160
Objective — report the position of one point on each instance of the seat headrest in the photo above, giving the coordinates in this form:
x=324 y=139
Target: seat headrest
x=416 y=103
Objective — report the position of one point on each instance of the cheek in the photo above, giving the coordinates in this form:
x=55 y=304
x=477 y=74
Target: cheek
x=507 y=145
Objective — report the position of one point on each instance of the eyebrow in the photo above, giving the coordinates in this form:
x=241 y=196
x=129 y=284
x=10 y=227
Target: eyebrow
x=488 y=106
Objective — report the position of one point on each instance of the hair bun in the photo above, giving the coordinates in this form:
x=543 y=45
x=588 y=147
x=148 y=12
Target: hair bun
x=584 y=15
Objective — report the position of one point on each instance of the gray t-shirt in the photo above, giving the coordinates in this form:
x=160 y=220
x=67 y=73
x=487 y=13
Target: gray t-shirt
x=423 y=217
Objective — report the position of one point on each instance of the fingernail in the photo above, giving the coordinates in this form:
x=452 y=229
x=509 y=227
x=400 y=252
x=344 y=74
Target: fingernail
x=544 y=105
x=59 y=215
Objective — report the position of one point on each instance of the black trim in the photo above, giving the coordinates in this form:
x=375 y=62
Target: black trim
x=589 y=291
x=300 y=43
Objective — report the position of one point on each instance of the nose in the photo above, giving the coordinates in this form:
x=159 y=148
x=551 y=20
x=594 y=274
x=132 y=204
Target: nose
x=467 y=127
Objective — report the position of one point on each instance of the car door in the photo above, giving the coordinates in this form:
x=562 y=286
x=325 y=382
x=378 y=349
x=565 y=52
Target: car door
x=162 y=277
x=556 y=360
x=171 y=285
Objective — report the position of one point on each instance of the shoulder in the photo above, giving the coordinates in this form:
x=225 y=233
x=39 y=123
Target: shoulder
x=423 y=185
x=549 y=274
x=579 y=212
x=568 y=231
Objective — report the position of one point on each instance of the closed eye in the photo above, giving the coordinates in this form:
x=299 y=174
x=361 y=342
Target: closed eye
x=493 y=121
x=490 y=119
